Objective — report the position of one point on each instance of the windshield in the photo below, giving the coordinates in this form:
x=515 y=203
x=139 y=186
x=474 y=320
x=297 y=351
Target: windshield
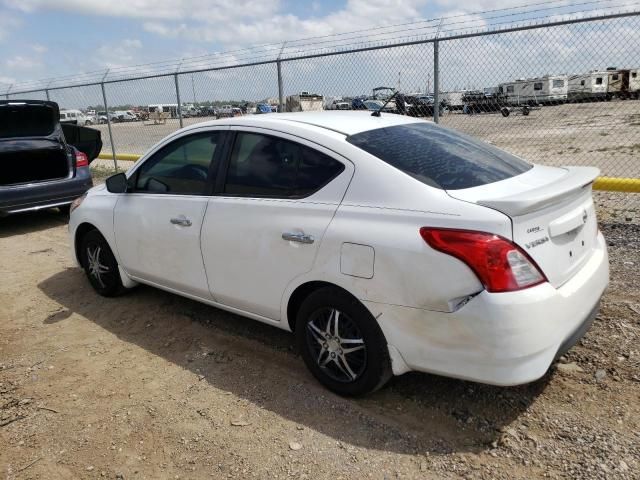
x=439 y=157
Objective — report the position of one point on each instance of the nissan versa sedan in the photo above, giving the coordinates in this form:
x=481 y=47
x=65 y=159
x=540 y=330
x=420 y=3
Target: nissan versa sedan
x=385 y=243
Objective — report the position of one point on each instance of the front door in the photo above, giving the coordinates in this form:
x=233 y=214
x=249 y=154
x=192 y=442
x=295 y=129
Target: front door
x=157 y=225
x=264 y=229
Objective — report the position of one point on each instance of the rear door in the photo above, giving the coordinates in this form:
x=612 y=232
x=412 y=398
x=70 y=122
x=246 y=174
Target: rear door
x=157 y=225
x=265 y=226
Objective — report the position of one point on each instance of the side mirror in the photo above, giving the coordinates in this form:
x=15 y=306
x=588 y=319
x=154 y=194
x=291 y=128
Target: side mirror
x=117 y=183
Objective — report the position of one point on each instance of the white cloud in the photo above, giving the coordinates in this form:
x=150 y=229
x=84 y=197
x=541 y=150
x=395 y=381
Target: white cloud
x=117 y=54
x=211 y=10
x=19 y=62
x=36 y=47
x=8 y=23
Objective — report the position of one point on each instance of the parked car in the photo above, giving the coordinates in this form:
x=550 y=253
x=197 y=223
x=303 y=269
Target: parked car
x=387 y=244
x=113 y=117
x=45 y=163
x=263 y=108
x=125 y=116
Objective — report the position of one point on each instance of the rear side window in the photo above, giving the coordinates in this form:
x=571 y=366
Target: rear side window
x=537 y=86
x=265 y=166
x=439 y=157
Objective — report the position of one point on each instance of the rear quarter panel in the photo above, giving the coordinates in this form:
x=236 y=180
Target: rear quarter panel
x=384 y=209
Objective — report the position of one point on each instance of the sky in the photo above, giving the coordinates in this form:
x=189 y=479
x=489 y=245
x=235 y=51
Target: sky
x=41 y=39
x=45 y=38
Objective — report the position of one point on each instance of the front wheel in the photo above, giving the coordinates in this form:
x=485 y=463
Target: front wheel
x=341 y=343
x=100 y=265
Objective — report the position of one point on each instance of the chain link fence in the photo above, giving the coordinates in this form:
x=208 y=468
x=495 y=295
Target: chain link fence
x=561 y=91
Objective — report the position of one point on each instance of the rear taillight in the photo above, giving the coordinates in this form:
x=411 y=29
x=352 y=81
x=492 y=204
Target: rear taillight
x=81 y=160
x=500 y=265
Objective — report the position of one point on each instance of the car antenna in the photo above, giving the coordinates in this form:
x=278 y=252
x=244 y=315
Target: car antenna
x=377 y=112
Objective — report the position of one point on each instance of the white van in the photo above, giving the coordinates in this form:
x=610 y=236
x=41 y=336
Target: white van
x=75 y=116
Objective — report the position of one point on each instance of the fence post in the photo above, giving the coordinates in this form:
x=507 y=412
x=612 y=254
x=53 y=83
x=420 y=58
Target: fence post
x=436 y=81
x=280 y=85
x=8 y=90
x=280 y=88
x=46 y=91
x=175 y=78
x=106 y=108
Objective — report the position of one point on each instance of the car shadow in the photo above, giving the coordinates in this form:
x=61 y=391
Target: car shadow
x=28 y=222
x=414 y=413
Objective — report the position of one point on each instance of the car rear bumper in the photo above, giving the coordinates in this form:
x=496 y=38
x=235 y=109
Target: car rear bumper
x=36 y=196
x=497 y=338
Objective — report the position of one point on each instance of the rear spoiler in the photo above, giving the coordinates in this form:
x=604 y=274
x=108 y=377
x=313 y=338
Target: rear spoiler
x=538 y=198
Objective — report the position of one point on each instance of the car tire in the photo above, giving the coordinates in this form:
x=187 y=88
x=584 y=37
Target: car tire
x=366 y=366
x=100 y=265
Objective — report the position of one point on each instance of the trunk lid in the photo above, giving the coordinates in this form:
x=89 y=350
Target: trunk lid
x=29 y=118
x=552 y=215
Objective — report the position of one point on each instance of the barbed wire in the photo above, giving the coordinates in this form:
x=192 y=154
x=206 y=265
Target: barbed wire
x=397 y=34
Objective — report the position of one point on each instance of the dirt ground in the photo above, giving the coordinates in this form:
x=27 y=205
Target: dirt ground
x=152 y=385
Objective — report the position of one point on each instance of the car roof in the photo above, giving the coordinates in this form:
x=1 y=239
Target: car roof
x=342 y=121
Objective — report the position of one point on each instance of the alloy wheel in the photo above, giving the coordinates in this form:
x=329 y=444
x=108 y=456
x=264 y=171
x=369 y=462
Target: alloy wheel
x=336 y=344
x=96 y=268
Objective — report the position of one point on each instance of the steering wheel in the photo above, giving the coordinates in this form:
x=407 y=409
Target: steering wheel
x=195 y=171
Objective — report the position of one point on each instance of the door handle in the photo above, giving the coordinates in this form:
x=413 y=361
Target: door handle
x=181 y=220
x=297 y=237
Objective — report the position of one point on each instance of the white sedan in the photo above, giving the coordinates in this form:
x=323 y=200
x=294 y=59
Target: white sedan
x=387 y=244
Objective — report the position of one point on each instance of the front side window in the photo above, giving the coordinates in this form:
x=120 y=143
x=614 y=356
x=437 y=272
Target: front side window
x=615 y=77
x=599 y=81
x=537 y=86
x=265 y=166
x=634 y=74
x=181 y=167
x=439 y=157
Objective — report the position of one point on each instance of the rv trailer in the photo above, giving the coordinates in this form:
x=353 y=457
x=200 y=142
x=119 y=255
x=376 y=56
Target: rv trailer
x=618 y=84
x=550 y=89
x=304 y=102
x=588 y=86
x=634 y=83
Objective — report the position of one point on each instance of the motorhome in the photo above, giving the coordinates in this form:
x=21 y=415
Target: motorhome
x=170 y=108
x=304 y=102
x=550 y=89
x=588 y=86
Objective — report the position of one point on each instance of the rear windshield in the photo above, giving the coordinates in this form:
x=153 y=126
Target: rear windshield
x=439 y=157
x=26 y=121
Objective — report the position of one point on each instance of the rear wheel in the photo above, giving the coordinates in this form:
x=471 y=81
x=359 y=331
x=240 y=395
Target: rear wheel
x=341 y=343
x=100 y=265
